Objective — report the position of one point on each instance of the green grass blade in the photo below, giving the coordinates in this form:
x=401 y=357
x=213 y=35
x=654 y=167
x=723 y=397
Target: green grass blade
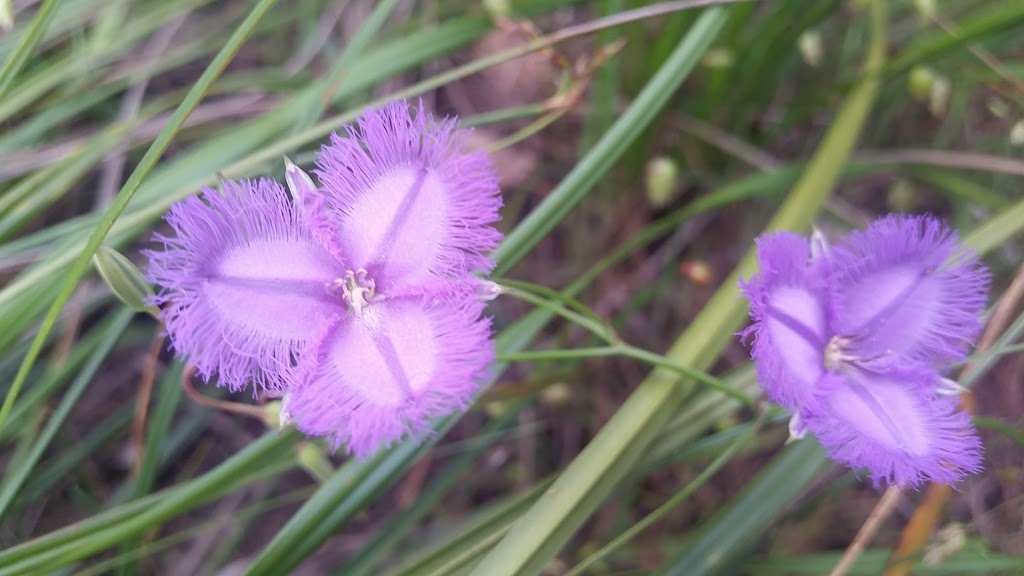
x=320 y=96
x=630 y=125
x=365 y=563
x=723 y=539
x=156 y=150
x=16 y=61
x=995 y=17
x=304 y=531
x=109 y=528
x=14 y=478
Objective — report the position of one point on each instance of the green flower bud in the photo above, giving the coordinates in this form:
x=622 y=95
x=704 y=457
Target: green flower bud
x=1017 y=134
x=661 y=179
x=926 y=8
x=811 y=47
x=6 y=16
x=498 y=8
x=718 y=58
x=920 y=82
x=311 y=458
x=901 y=197
x=124 y=279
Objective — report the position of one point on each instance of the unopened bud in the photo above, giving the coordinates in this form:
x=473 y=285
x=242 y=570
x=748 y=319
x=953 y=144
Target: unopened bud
x=698 y=272
x=124 y=279
x=949 y=540
x=557 y=394
x=311 y=458
x=998 y=107
x=272 y=415
x=718 y=58
x=495 y=408
x=948 y=387
x=901 y=197
x=6 y=16
x=299 y=183
x=487 y=290
x=926 y=9
x=498 y=9
x=811 y=48
x=1017 y=133
x=661 y=180
x=819 y=243
x=920 y=82
x=797 y=428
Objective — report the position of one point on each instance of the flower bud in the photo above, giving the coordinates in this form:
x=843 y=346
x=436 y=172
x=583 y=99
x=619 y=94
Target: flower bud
x=497 y=9
x=698 y=272
x=926 y=9
x=124 y=279
x=920 y=82
x=299 y=183
x=718 y=58
x=901 y=197
x=6 y=16
x=557 y=394
x=1017 y=134
x=312 y=459
x=661 y=180
x=811 y=47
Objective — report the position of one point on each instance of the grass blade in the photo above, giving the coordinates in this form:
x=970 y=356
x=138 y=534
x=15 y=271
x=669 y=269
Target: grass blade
x=156 y=150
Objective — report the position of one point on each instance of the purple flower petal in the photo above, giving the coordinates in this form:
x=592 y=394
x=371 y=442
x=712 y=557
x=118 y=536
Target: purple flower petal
x=377 y=377
x=403 y=199
x=908 y=287
x=892 y=424
x=790 y=306
x=243 y=285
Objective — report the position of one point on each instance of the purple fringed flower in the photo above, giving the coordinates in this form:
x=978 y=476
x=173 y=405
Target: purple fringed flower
x=852 y=340
x=357 y=301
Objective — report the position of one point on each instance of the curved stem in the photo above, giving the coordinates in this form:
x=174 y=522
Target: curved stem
x=224 y=406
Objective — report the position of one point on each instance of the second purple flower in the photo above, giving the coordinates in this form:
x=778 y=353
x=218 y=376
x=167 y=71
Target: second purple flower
x=853 y=340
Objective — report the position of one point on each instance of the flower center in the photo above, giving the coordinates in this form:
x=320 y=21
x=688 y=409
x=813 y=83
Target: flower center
x=356 y=289
x=847 y=351
x=837 y=352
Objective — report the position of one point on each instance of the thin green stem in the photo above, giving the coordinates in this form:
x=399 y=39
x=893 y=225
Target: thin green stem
x=559 y=296
x=595 y=327
x=698 y=376
x=629 y=351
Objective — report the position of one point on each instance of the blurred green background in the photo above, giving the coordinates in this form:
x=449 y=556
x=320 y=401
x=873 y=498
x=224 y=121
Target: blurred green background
x=642 y=147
